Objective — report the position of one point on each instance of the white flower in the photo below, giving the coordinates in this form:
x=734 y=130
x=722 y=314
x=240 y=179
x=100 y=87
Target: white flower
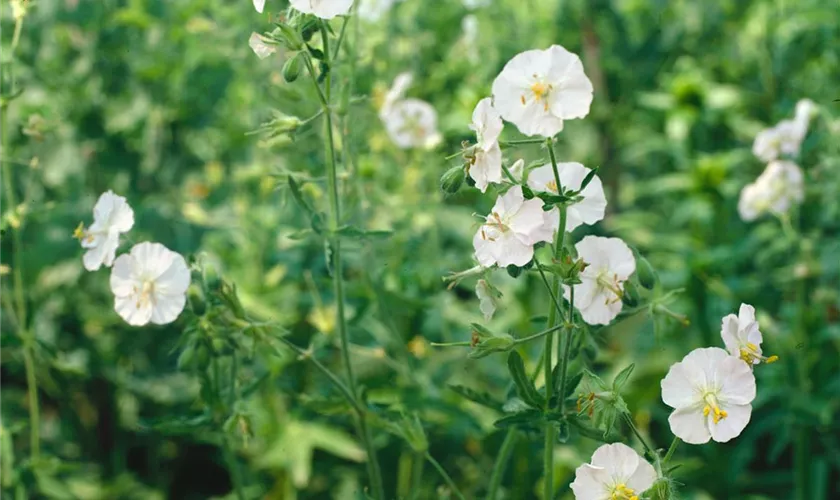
x=150 y=284
x=616 y=472
x=538 y=89
x=111 y=216
x=325 y=9
x=487 y=295
x=260 y=47
x=742 y=337
x=802 y=116
x=412 y=123
x=511 y=230
x=486 y=166
x=787 y=136
x=259 y=5
x=396 y=92
x=774 y=191
x=469 y=37
x=711 y=393
x=610 y=263
x=487 y=124
x=588 y=210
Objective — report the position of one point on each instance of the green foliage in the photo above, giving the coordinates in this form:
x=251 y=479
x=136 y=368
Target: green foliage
x=221 y=156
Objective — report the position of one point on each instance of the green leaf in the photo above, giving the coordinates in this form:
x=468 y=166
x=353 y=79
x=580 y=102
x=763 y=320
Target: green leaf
x=622 y=377
x=588 y=178
x=572 y=383
x=481 y=398
x=521 y=418
x=524 y=387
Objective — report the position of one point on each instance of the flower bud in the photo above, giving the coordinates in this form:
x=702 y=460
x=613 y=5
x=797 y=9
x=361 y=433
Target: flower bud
x=227 y=292
x=291 y=69
x=186 y=360
x=645 y=273
x=513 y=271
x=631 y=296
x=452 y=180
x=501 y=343
x=662 y=489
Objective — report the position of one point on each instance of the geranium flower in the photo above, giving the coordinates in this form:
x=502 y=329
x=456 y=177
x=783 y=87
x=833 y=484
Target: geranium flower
x=260 y=47
x=787 y=136
x=325 y=9
x=412 y=123
x=589 y=210
x=486 y=156
x=111 y=216
x=396 y=92
x=774 y=191
x=711 y=393
x=742 y=337
x=610 y=263
x=487 y=124
x=538 y=89
x=150 y=284
x=511 y=230
x=617 y=472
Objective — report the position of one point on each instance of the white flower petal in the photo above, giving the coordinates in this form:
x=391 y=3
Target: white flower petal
x=412 y=123
x=325 y=9
x=619 y=460
x=510 y=250
x=487 y=124
x=678 y=386
x=737 y=418
x=259 y=5
x=736 y=381
x=167 y=308
x=591 y=483
x=729 y=334
x=132 y=311
x=689 y=424
x=260 y=47
x=487 y=167
x=486 y=299
x=643 y=478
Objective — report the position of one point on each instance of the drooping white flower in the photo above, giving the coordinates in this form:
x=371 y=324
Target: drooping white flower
x=150 y=284
x=260 y=47
x=487 y=124
x=802 y=116
x=775 y=191
x=787 y=136
x=111 y=216
x=616 y=472
x=711 y=393
x=610 y=263
x=412 y=123
x=538 y=89
x=487 y=296
x=742 y=337
x=325 y=9
x=259 y=5
x=511 y=230
x=396 y=92
x=486 y=166
x=589 y=210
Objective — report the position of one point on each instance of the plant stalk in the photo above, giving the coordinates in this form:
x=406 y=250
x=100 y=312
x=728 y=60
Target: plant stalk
x=501 y=464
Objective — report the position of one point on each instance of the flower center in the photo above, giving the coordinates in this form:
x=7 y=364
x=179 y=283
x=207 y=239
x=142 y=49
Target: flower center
x=540 y=90
x=495 y=221
x=621 y=492
x=749 y=353
x=552 y=186
x=145 y=293
x=713 y=407
x=605 y=281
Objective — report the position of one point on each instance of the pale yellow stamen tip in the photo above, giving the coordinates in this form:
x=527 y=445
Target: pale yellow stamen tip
x=772 y=359
x=752 y=346
x=79 y=232
x=706 y=411
x=552 y=186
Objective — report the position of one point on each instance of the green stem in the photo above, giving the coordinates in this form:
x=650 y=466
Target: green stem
x=233 y=466
x=519 y=142
x=374 y=473
x=632 y=425
x=671 y=450
x=543 y=333
x=501 y=464
x=801 y=445
x=553 y=320
x=227 y=451
x=567 y=349
x=445 y=476
x=27 y=338
x=417 y=474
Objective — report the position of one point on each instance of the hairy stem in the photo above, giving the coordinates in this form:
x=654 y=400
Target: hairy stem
x=632 y=425
x=671 y=450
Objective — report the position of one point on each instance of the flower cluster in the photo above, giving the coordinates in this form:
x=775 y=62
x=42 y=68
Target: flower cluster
x=410 y=122
x=711 y=389
x=536 y=91
x=780 y=185
x=150 y=282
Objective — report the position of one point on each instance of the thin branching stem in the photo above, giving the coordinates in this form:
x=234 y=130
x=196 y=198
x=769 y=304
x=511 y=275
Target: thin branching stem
x=445 y=476
x=501 y=464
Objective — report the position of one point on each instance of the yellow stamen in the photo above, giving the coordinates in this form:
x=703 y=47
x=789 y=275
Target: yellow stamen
x=552 y=186
x=752 y=346
x=80 y=232
x=772 y=359
x=706 y=410
x=712 y=406
x=522 y=99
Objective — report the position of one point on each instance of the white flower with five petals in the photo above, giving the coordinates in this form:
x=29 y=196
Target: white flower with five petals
x=742 y=337
x=610 y=263
x=325 y=9
x=589 y=210
x=150 y=284
x=711 y=393
x=511 y=230
x=111 y=216
x=617 y=472
x=538 y=89
x=412 y=123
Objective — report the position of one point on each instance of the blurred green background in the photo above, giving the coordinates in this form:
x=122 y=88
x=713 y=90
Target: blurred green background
x=155 y=98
